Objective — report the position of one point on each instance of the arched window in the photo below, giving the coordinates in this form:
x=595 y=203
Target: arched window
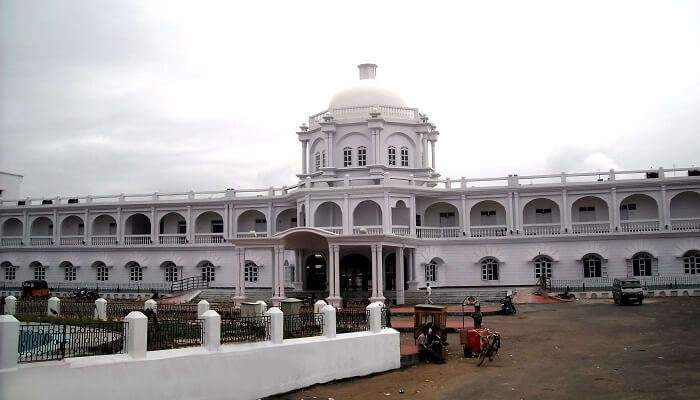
x=592 y=266
x=135 y=272
x=208 y=272
x=317 y=160
x=431 y=270
x=171 y=272
x=10 y=271
x=641 y=264
x=691 y=262
x=404 y=156
x=39 y=270
x=323 y=159
x=361 y=156
x=347 y=157
x=102 y=272
x=392 y=155
x=489 y=269
x=288 y=272
x=250 y=272
x=70 y=272
x=543 y=267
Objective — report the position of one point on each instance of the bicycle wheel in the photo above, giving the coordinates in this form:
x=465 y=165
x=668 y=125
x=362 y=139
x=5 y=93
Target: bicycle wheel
x=484 y=353
x=495 y=346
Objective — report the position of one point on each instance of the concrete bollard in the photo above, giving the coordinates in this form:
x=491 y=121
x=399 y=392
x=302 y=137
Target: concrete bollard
x=54 y=307
x=375 y=317
x=202 y=307
x=150 y=304
x=328 y=321
x=212 y=330
x=9 y=341
x=263 y=307
x=276 y=324
x=10 y=305
x=101 y=309
x=137 y=332
x=318 y=306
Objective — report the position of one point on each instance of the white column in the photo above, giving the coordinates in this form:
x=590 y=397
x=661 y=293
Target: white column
x=565 y=213
x=238 y=270
x=56 y=228
x=202 y=307
x=53 y=308
x=465 y=217
x=331 y=273
x=86 y=227
x=154 y=226
x=432 y=153
x=275 y=277
x=517 y=214
x=664 y=217
x=227 y=222
x=136 y=336
x=615 y=212
x=380 y=272
x=347 y=226
x=375 y=317
x=10 y=305
x=9 y=342
x=328 y=321
x=189 y=233
x=419 y=150
x=276 y=325
x=280 y=269
x=330 y=149
x=120 y=227
x=336 y=269
x=374 y=270
x=424 y=145
x=25 y=227
x=304 y=164
x=101 y=309
x=270 y=218
x=386 y=214
x=212 y=331
x=412 y=215
x=399 y=277
x=308 y=216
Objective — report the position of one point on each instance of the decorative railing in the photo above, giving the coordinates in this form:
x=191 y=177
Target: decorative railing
x=367 y=230
x=43 y=342
x=189 y=283
x=41 y=240
x=111 y=287
x=245 y=329
x=338 y=230
x=104 y=240
x=581 y=285
x=386 y=318
x=11 y=241
x=72 y=240
x=590 y=228
x=648 y=225
x=173 y=334
x=438 y=233
x=488 y=231
x=209 y=238
x=251 y=235
x=302 y=325
x=541 y=229
x=685 y=224
x=172 y=238
x=184 y=311
x=32 y=307
x=364 y=112
x=401 y=230
x=351 y=320
x=648 y=283
x=137 y=239
x=78 y=309
x=226 y=310
x=120 y=309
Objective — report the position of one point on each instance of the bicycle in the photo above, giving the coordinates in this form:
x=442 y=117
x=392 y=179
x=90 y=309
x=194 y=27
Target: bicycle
x=490 y=348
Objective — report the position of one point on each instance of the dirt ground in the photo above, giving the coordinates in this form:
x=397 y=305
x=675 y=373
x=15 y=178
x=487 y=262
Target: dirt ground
x=584 y=349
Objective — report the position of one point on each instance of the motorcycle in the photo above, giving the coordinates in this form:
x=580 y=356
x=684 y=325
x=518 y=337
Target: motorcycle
x=85 y=294
x=507 y=306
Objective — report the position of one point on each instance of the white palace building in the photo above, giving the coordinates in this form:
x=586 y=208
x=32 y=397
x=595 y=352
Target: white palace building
x=369 y=217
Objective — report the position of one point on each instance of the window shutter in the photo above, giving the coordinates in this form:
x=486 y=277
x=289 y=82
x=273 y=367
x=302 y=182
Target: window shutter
x=630 y=270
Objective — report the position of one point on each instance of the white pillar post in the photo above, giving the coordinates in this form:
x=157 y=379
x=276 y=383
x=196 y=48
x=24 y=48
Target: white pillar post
x=120 y=227
x=380 y=273
x=399 y=276
x=336 y=273
x=615 y=212
x=386 y=214
x=280 y=269
x=154 y=226
x=465 y=216
x=432 y=153
x=202 y=307
x=664 y=216
x=150 y=304
x=517 y=214
x=330 y=274
x=276 y=324
x=9 y=341
x=53 y=308
x=374 y=270
x=212 y=330
x=101 y=309
x=375 y=317
x=412 y=215
x=56 y=227
x=347 y=225
x=329 y=321
x=189 y=231
x=238 y=270
x=10 y=305
x=304 y=164
x=137 y=334
x=510 y=213
x=565 y=213
x=275 y=278
x=86 y=227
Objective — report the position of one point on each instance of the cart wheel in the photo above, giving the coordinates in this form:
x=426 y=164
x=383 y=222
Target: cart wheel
x=484 y=353
x=495 y=346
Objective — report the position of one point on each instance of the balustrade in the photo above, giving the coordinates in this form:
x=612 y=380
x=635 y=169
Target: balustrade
x=41 y=240
x=438 y=232
x=74 y=240
x=338 y=230
x=488 y=231
x=541 y=229
x=367 y=230
x=647 y=225
x=11 y=241
x=250 y=235
x=685 y=224
x=137 y=239
x=401 y=230
x=104 y=240
x=177 y=238
x=590 y=228
x=209 y=238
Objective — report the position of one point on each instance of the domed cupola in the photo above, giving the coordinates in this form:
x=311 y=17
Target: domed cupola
x=367 y=92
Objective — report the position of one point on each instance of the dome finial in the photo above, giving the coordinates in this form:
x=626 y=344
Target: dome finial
x=367 y=71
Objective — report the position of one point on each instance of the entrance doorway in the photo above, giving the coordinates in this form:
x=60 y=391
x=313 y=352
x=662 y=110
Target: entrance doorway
x=390 y=272
x=315 y=272
x=355 y=277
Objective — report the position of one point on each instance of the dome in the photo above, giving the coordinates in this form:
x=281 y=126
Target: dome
x=367 y=92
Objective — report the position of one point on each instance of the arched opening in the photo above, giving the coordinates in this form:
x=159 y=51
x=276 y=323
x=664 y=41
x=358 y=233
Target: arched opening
x=642 y=264
x=432 y=271
x=390 y=272
x=440 y=220
x=367 y=218
x=104 y=225
x=488 y=218
x=685 y=211
x=209 y=228
x=490 y=269
x=329 y=216
x=12 y=227
x=355 y=276
x=592 y=266
x=639 y=213
x=400 y=218
x=72 y=226
x=541 y=217
x=9 y=270
x=172 y=229
x=101 y=271
x=137 y=230
x=315 y=271
x=287 y=219
x=135 y=271
x=590 y=215
x=252 y=223
x=39 y=270
x=70 y=272
x=171 y=271
x=207 y=270
x=251 y=272
x=543 y=267
x=691 y=262
x=42 y=227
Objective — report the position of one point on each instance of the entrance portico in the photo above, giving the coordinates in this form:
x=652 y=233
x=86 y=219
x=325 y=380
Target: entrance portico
x=322 y=257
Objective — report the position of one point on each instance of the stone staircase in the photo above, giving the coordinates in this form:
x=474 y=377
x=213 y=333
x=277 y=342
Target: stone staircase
x=451 y=295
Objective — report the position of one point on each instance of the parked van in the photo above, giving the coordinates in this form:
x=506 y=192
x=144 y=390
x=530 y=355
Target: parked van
x=627 y=290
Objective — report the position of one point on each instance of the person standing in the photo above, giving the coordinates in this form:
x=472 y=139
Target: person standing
x=428 y=293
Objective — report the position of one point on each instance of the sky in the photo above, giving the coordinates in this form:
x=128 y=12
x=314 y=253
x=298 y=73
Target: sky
x=105 y=97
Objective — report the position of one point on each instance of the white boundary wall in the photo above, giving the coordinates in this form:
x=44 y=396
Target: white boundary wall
x=236 y=371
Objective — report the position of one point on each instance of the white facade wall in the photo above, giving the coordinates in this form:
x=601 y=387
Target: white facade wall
x=10 y=185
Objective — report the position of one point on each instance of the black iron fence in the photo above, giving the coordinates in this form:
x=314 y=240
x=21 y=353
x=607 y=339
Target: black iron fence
x=192 y=282
x=226 y=310
x=386 y=318
x=120 y=309
x=648 y=283
x=245 y=329
x=302 y=325
x=78 y=309
x=173 y=334
x=351 y=320
x=116 y=287
x=43 y=342
x=186 y=311
x=32 y=307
